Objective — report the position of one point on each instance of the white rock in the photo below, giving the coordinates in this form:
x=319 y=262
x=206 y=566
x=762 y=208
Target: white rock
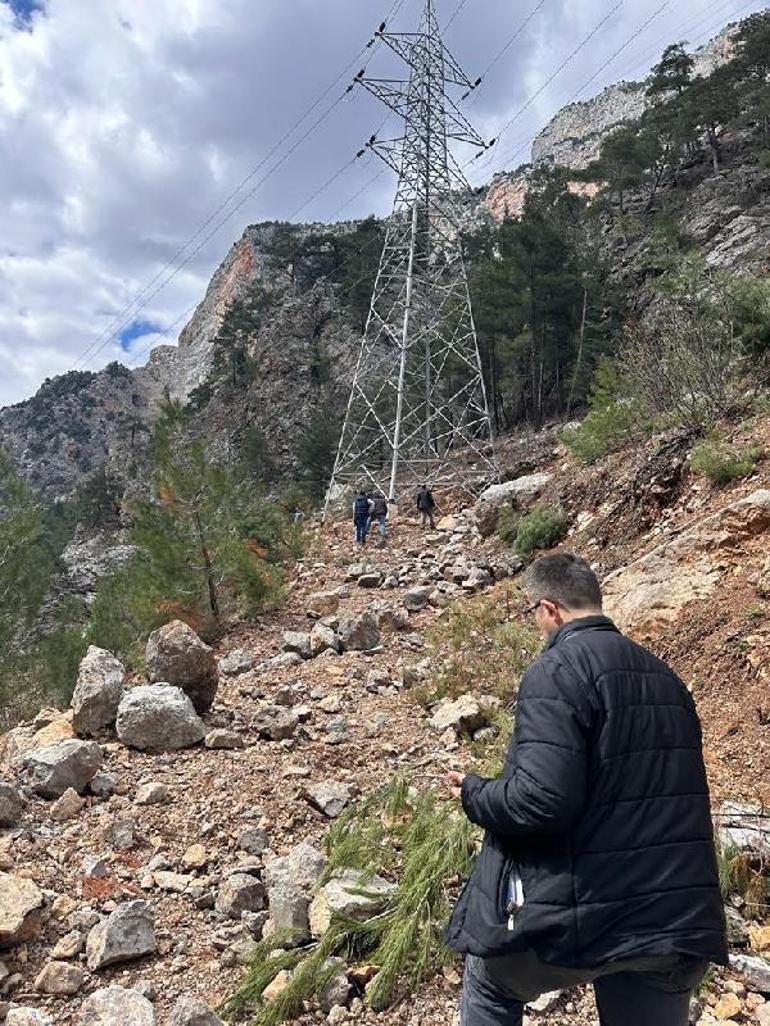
x=176 y=655
x=126 y=934
x=20 y=903
x=116 y=1006
x=97 y=692
x=158 y=717
x=51 y=770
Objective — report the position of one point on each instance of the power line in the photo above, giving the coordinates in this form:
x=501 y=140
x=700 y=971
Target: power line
x=119 y=322
x=501 y=53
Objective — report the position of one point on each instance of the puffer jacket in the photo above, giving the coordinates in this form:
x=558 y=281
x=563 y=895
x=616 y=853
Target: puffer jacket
x=602 y=811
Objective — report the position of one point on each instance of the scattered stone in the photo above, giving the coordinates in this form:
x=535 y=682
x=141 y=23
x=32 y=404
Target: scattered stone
x=275 y=723
x=103 y=784
x=174 y=883
x=737 y=928
x=69 y=946
x=21 y=902
x=755 y=969
x=351 y=893
x=221 y=739
x=323 y=603
x=359 y=633
x=297 y=641
x=745 y=827
x=98 y=691
x=96 y=866
x=727 y=1006
x=253 y=840
x=291 y=880
x=416 y=599
x=329 y=797
x=759 y=937
x=239 y=893
x=11 y=805
x=477 y=578
x=158 y=717
x=126 y=934
x=236 y=662
x=153 y=793
x=176 y=655
x=284 y=659
x=276 y=986
x=331 y=703
x=338 y=990
x=59 y=978
x=191 y=1011
x=337 y=730
x=121 y=833
x=393 y=618
x=323 y=638
x=464 y=715
x=371 y=579
x=51 y=770
x=116 y=1006
x=545 y=1002
x=195 y=857
x=68 y=806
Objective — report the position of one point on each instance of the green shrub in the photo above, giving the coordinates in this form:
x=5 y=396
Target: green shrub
x=721 y=463
x=508 y=524
x=606 y=428
x=541 y=528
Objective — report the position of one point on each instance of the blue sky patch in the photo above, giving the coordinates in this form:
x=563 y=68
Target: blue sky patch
x=24 y=9
x=136 y=329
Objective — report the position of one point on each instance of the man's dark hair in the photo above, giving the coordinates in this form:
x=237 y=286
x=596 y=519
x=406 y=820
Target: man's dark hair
x=564 y=578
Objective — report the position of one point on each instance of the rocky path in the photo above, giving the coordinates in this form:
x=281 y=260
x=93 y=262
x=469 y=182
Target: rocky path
x=134 y=882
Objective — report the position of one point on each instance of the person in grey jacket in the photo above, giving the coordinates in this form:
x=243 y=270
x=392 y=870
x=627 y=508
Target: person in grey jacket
x=598 y=863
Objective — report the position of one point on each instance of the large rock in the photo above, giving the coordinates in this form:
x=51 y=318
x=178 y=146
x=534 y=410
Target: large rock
x=465 y=714
x=745 y=827
x=328 y=796
x=20 y=1016
x=351 y=893
x=176 y=655
x=51 y=770
x=158 y=717
x=649 y=593
x=416 y=599
x=323 y=603
x=291 y=880
x=360 y=632
x=240 y=892
x=297 y=641
x=192 y=1011
x=116 y=1006
x=126 y=934
x=98 y=691
x=275 y=722
x=60 y=978
x=11 y=805
x=236 y=662
x=323 y=638
x=755 y=969
x=519 y=493
x=20 y=905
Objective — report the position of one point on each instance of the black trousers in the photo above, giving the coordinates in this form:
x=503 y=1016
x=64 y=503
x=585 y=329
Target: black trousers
x=637 y=992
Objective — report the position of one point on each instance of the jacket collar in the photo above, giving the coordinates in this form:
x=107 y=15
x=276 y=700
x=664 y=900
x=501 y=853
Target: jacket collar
x=584 y=623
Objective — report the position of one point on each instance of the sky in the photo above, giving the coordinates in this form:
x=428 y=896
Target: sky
x=126 y=125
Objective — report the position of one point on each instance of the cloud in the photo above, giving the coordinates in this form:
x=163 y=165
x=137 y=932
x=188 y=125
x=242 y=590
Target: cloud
x=123 y=125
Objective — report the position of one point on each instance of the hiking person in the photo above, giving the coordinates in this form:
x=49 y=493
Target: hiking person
x=426 y=505
x=298 y=516
x=362 y=508
x=380 y=514
x=598 y=863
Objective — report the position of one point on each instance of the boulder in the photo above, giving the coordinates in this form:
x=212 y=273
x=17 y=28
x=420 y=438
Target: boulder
x=68 y=806
x=465 y=714
x=153 y=793
x=176 y=655
x=371 y=579
x=126 y=934
x=19 y=1016
x=51 y=770
x=158 y=717
x=298 y=642
x=322 y=603
x=745 y=827
x=97 y=692
x=477 y=578
x=222 y=739
x=352 y=893
x=359 y=632
x=59 y=978
x=192 y=1011
x=291 y=880
x=116 y=1006
x=240 y=892
x=519 y=493
x=253 y=840
x=328 y=796
x=323 y=638
x=416 y=599
x=275 y=722
x=236 y=662
x=11 y=805
x=755 y=969
x=21 y=902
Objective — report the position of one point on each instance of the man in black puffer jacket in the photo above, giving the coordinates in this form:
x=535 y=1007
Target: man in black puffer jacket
x=598 y=863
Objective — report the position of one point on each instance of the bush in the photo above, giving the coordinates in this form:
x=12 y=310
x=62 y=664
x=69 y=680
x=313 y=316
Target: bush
x=607 y=428
x=541 y=528
x=508 y=524
x=721 y=463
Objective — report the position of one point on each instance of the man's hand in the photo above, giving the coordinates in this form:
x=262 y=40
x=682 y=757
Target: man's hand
x=455 y=781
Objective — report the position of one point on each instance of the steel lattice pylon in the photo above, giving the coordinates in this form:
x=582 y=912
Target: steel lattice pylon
x=418 y=391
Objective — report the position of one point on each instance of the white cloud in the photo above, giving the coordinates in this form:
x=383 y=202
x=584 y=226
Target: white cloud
x=124 y=123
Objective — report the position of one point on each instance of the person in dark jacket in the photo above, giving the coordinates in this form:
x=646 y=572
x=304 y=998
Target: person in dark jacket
x=598 y=862
x=362 y=508
x=379 y=514
x=426 y=505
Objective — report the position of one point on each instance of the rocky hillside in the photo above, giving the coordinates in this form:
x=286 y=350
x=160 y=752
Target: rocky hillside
x=152 y=833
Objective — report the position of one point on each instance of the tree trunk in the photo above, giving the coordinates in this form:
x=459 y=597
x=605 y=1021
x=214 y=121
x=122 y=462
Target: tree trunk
x=579 y=359
x=213 y=602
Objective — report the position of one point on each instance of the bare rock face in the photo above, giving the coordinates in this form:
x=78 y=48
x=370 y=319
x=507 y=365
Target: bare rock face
x=53 y=769
x=11 y=805
x=126 y=934
x=20 y=904
x=98 y=691
x=158 y=717
x=191 y=1011
x=116 y=1006
x=176 y=655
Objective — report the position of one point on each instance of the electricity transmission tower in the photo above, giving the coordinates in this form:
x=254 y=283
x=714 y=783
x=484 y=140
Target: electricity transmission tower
x=418 y=392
